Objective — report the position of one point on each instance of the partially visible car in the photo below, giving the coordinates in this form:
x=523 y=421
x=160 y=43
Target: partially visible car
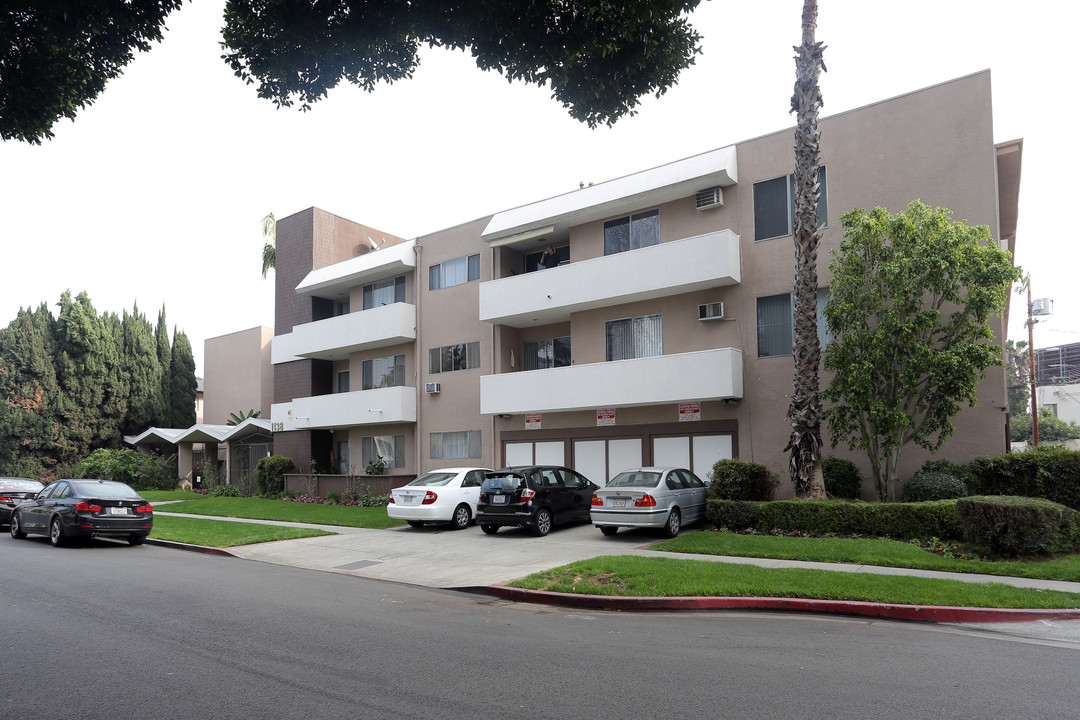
x=537 y=497
x=448 y=495
x=68 y=509
x=664 y=498
x=13 y=491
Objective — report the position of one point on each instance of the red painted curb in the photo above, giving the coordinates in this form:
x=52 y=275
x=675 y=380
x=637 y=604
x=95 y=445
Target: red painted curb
x=886 y=611
x=205 y=550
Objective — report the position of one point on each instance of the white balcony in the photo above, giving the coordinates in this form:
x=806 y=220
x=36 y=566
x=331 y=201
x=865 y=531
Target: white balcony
x=671 y=268
x=336 y=337
x=335 y=281
x=686 y=377
x=341 y=410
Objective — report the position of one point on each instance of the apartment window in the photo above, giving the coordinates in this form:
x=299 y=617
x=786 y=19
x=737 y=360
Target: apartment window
x=774 y=325
x=384 y=372
x=343 y=458
x=551 y=353
x=632 y=232
x=463 y=356
x=454 y=272
x=341 y=307
x=388 y=448
x=385 y=292
x=455 y=445
x=343 y=381
x=774 y=206
x=637 y=337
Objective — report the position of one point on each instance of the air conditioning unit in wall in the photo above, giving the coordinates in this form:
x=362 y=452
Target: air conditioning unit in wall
x=713 y=197
x=432 y=388
x=711 y=311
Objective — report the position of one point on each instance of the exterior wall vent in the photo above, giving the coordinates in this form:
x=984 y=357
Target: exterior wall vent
x=711 y=311
x=713 y=197
x=432 y=388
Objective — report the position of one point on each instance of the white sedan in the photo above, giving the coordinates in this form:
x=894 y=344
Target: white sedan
x=446 y=495
x=649 y=497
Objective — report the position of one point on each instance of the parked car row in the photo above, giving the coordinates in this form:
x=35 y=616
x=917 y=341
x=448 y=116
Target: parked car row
x=66 y=509
x=539 y=497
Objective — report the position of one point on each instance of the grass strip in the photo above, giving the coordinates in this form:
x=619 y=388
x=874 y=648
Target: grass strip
x=224 y=533
x=163 y=495
x=865 y=551
x=673 y=577
x=282 y=511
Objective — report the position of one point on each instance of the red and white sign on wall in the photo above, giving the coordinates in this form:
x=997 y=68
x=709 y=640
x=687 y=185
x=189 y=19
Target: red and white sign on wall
x=532 y=422
x=689 y=412
x=605 y=417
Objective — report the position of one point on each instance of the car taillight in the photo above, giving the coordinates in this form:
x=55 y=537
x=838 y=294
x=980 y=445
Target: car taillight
x=645 y=500
x=147 y=508
x=6 y=499
x=87 y=507
x=429 y=497
x=596 y=500
x=391 y=498
x=527 y=494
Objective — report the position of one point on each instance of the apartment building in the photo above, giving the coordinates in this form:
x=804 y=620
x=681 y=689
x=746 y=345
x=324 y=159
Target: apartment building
x=664 y=336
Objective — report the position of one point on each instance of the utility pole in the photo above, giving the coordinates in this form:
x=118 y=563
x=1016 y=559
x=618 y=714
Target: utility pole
x=1031 y=357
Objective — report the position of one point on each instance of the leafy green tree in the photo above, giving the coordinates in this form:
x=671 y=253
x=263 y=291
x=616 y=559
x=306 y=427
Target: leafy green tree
x=27 y=390
x=80 y=373
x=911 y=299
x=1051 y=427
x=140 y=354
x=1018 y=377
x=183 y=387
x=164 y=354
x=56 y=57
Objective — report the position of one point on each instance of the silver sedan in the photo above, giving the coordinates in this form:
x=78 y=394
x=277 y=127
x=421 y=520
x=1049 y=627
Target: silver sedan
x=649 y=497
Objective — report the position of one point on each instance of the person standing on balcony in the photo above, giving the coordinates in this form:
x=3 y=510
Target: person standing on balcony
x=550 y=258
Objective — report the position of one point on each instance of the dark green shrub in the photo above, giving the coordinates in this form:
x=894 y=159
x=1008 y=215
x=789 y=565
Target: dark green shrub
x=270 y=474
x=741 y=480
x=1019 y=525
x=957 y=470
x=895 y=520
x=141 y=471
x=224 y=491
x=842 y=478
x=928 y=485
x=1047 y=472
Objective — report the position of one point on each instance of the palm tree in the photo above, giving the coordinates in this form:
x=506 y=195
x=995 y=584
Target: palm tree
x=269 y=253
x=805 y=413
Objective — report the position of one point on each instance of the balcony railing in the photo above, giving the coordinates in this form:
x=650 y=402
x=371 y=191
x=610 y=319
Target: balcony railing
x=686 y=377
x=336 y=337
x=350 y=409
x=671 y=268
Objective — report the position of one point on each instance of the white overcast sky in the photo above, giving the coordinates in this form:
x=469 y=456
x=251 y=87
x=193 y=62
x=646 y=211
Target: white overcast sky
x=154 y=194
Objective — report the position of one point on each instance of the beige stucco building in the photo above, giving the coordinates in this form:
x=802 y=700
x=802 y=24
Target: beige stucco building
x=664 y=337
x=239 y=377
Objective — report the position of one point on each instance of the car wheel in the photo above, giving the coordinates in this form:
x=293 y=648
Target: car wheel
x=136 y=539
x=16 y=527
x=415 y=523
x=543 y=522
x=674 y=523
x=609 y=529
x=462 y=518
x=56 y=532
x=489 y=529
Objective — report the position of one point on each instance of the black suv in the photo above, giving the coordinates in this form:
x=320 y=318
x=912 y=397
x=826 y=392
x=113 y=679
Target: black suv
x=536 y=497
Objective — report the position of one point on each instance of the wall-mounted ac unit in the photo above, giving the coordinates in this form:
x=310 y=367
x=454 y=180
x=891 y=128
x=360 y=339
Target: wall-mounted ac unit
x=711 y=311
x=432 y=388
x=1042 y=306
x=713 y=197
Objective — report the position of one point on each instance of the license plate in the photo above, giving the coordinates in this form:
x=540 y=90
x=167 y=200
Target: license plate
x=618 y=502
x=498 y=499
x=118 y=511
x=411 y=499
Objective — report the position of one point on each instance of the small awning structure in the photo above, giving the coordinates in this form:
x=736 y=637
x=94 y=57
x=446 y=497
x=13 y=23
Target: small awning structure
x=209 y=435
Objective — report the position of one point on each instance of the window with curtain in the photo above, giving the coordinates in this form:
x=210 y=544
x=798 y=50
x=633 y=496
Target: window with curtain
x=632 y=232
x=774 y=325
x=384 y=292
x=343 y=381
x=454 y=272
x=388 y=448
x=454 y=445
x=637 y=337
x=384 y=372
x=448 y=358
x=774 y=206
x=550 y=353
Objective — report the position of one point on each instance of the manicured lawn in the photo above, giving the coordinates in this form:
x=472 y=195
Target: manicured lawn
x=163 y=495
x=260 y=509
x=865 y=551
x=674 y=577
x=224 y=533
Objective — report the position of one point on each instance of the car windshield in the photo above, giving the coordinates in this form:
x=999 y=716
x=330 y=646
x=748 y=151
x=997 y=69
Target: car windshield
x=503 y=482
x=17 y=485
x=635 y=478
x=105 y=490
x=434 y=478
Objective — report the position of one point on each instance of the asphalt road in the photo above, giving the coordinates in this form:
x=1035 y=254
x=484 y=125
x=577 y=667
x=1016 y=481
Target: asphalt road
x=104 y=630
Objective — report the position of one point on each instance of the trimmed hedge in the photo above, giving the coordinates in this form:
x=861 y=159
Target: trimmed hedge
x=1020 y=525
x=929 y=485
x=742 y=480
x=270 y=474
x=1046 y=472
x=141 y=471
x=896 y=520
x=842 y=478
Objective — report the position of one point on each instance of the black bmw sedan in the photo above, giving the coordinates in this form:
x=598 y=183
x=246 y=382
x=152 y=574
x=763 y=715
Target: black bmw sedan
x=12 y=492
x=84 y=508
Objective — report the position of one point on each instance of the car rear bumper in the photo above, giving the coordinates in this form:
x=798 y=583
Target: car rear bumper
x=82 y=526
x=507 y=518
x=427 y=513
x=622 y=518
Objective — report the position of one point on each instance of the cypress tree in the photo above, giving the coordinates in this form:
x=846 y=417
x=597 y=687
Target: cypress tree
x=182 y=385
x=164 y=353
x=140 y=358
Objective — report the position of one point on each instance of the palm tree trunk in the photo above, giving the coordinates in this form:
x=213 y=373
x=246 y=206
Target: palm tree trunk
x=805 y=413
